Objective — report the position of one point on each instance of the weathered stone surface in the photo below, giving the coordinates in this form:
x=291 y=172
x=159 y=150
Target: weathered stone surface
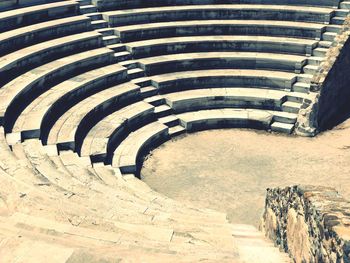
x=331 y=84
x=308 y=222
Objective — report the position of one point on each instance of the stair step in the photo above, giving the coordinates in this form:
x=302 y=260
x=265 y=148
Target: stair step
x=106 y=31
x=84 y=2
x=297 y=97
x=129 y=64
x=119 y=47
x=338 y=20
x=98 y=24
x=301 y=87
x=85 y=9
x=333 y=28
x=122 y=56
x=170 y=121
x=176 y=130
x=136 y=73
x=152 y=232
x=156 y=100
x=95 y=16
x=315 y=60
x=345 y=5
x=285 y=117
x=292 y=107
x=320 y=52
x=110 y=40
x=329 y=36
x=341 y=12
x=142 y=82
x=282 y=127
x=148 y=91
x=252 y=246
x=305 y=77
x=162 y=111
x=326 y=44
x=310 y=69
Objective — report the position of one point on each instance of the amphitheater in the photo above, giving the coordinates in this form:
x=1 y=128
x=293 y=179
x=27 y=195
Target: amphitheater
x=89 y=87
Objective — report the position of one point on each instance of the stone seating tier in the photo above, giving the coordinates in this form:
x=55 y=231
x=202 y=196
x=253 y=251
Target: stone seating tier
x=20 y=17
x=70 y=129
x=65 y=95
x=228 y=118
x=20 y=92
x=104 y=5
x=201 y=99
x=177 y=45
x=224 y=78
x=127 y=155
x=6 y=5
x=220 y=27
x=222 y=12
x=16 y=39
x=18 y=62
x=106 y=135
x=221 y=60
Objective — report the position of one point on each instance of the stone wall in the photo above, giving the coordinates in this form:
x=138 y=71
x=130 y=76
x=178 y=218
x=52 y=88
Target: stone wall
x=330 y=93
x=335 y=91
x=311 y=223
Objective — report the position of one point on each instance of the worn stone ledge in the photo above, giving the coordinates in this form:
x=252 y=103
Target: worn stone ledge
x=311 y=223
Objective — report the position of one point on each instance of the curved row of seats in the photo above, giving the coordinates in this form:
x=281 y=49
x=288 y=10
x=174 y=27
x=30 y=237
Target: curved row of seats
x=220 y=28
x=68 y=198
x=104 y=5
x=89 y=87
x=223 y=12
x=61 y=207
x=62 y=114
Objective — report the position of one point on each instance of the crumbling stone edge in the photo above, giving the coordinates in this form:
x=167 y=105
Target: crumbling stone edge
x=307 y=122
x=310 y=223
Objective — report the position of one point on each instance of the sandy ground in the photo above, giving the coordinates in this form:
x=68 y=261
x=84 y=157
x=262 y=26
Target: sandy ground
x=229 y=170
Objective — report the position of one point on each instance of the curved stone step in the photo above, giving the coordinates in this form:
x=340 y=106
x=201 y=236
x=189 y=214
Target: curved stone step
x=211 y=12
x=220 y=27
x=175 y=45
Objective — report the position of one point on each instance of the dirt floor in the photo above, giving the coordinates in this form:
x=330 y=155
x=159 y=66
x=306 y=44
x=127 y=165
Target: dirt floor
x=229 y=170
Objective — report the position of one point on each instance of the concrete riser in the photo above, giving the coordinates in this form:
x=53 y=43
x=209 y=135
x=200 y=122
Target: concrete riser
x=221 y=81
x=218 y=63
x=129 y=4
x=192 y=105
x=217 y=29
x=217 y=46
x=214 y=14
x=219 y=124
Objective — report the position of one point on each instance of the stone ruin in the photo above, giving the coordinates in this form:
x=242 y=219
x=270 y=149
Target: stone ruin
x=88 y=87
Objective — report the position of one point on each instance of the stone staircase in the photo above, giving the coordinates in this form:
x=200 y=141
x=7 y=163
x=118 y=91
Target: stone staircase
x=253 y=246
x=64 y=242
